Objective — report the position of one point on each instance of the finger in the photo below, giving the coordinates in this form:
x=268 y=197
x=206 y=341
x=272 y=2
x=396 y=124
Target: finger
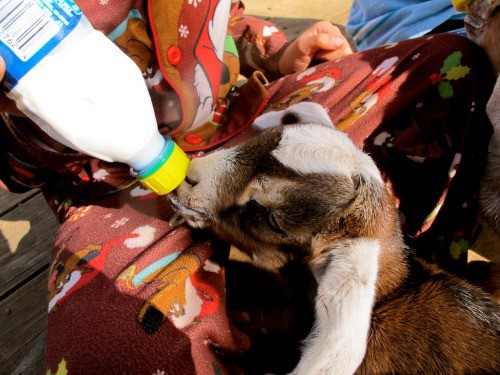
x=329 y=41
x=322 y=35
x=325 y=27
x=325 y=55
x=310 y=44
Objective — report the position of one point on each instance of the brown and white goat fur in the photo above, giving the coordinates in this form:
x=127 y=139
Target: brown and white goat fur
x=305 y=190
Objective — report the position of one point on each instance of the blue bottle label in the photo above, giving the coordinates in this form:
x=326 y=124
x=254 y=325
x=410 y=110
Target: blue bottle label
x=29 y=30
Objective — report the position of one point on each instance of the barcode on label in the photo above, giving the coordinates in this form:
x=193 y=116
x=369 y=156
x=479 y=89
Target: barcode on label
x=24 y=27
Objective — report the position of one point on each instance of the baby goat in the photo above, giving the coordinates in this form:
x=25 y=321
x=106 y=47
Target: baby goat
x=305 y=190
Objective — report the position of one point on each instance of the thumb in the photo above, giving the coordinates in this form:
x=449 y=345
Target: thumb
x=311 y=44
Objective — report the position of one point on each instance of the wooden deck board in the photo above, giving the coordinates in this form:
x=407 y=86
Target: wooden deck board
x=294 y=17
x=28 y=361
x=31 y=360
x=27 y=228
x=9 y=201
x=27 y=233
x=336 y=11
x=23 y=326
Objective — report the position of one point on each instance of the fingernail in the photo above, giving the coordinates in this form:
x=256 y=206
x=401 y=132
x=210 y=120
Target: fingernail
x=336 y=41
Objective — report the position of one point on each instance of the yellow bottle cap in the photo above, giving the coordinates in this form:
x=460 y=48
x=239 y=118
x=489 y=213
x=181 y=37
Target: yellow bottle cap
x=461 y=5
x=169 y=174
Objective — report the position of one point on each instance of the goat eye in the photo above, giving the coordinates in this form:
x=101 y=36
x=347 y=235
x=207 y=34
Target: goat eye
x=272 y=223
x=253 y=209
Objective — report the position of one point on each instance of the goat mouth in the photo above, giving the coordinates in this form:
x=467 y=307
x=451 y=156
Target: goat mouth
x=473 y=22
x=473 y=27
x=194 y=217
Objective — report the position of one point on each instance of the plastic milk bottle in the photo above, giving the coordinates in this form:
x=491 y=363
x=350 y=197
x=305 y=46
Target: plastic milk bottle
x=83 y=91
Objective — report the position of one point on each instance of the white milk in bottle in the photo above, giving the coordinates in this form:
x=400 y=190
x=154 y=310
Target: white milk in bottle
x=83 y=91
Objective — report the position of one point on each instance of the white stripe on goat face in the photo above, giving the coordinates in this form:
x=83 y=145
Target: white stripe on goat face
x=207 y=172
x=317 y=149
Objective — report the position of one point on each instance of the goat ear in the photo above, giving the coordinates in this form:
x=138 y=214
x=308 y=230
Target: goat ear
x=314 y=113
x=362 y=181
x=369 y=196
x=358 y=181
x=364 y=188
x=300 y=113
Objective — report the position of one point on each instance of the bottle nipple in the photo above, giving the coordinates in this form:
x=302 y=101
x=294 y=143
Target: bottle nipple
x=167 y=171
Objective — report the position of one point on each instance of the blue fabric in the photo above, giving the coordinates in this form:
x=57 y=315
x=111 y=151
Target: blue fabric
x=378 y=22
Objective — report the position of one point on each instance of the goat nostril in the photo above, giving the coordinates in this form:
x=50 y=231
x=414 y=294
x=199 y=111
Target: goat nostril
x=190 y=181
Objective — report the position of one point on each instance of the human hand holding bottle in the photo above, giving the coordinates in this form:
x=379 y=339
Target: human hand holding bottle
x=322 y=41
